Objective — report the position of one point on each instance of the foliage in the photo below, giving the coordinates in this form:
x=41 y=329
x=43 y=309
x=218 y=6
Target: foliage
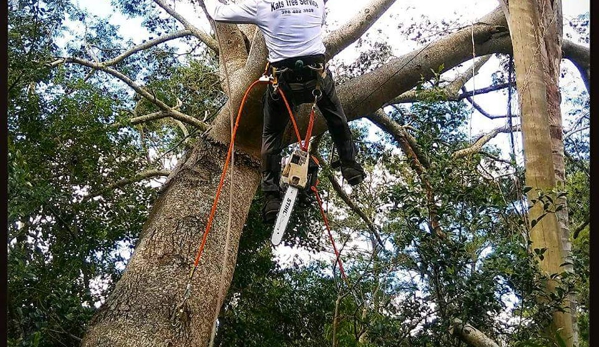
x=268 y=305
x=69 y=139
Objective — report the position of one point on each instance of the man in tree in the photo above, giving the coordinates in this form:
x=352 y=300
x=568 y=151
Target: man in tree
x=293 y=35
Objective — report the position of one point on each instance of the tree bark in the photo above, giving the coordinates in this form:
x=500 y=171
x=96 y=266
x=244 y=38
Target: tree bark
x=529 y=33
x=142 y=309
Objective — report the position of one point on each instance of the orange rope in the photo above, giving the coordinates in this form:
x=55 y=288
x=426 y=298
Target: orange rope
x=295 y=127
x=304 y=147
x=309 y=131
x=226 y=166
x=326 y=223
x=222 y=178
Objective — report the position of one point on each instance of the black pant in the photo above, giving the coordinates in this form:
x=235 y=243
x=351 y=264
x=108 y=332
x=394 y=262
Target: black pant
x=276 y=118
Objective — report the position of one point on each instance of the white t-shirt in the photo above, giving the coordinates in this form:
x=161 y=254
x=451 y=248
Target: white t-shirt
x=291 y=28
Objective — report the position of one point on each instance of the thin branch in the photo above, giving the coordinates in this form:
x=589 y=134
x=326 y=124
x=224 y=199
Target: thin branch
x=141 y=91
x=482 y=111
x=383 y=121
x=580 y=228
x=201 y=35
x=577 y=121
x=450 y=90
x=578 y=164
x=182 y=127
x=314 y=151
x=485 y=90
x=411 y=96
x=148 y=117
x=67 y=333
x=152 y=116
x=496 y=158
x=454 y=87
x=122 y=183
x=148 y=44
x=574 y=131
x=348 y=201
x=483 y=140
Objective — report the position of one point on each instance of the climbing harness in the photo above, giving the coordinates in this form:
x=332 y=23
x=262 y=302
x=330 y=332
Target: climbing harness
x=298 y=173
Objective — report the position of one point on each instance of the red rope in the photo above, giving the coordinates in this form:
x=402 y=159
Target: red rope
x=226 y=167
x=326 y=223
x=309 y=131
x=222 y=178
x=295 y=127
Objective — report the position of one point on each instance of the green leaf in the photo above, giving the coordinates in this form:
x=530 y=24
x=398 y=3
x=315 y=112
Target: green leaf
x=559 y=339
x=36 y=338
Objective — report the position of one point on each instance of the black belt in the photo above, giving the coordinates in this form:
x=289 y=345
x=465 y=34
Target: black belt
x=292 y=63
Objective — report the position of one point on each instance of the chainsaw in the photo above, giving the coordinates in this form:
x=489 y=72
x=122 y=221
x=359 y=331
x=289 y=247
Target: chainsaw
x=298 y=176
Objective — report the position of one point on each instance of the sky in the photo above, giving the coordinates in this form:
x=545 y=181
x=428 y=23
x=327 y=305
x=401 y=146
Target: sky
x=403 y=12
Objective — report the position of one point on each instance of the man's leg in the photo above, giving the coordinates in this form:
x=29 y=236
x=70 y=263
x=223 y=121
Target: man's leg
x=331 y=109
x=275 y=120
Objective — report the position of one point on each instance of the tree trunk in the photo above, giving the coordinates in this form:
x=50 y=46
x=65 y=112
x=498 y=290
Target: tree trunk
x=552 y=19
x=142 y=309
x=537 y=95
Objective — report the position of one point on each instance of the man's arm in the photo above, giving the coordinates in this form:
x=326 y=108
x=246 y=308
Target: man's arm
x=235 y=13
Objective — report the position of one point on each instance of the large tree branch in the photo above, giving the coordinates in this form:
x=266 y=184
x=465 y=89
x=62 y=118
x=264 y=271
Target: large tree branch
x=200 y=34
x=580 y=56
x=141 y=91
x=356 y=27
x=367 y=93
x=470 y=335
x=483 y=140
